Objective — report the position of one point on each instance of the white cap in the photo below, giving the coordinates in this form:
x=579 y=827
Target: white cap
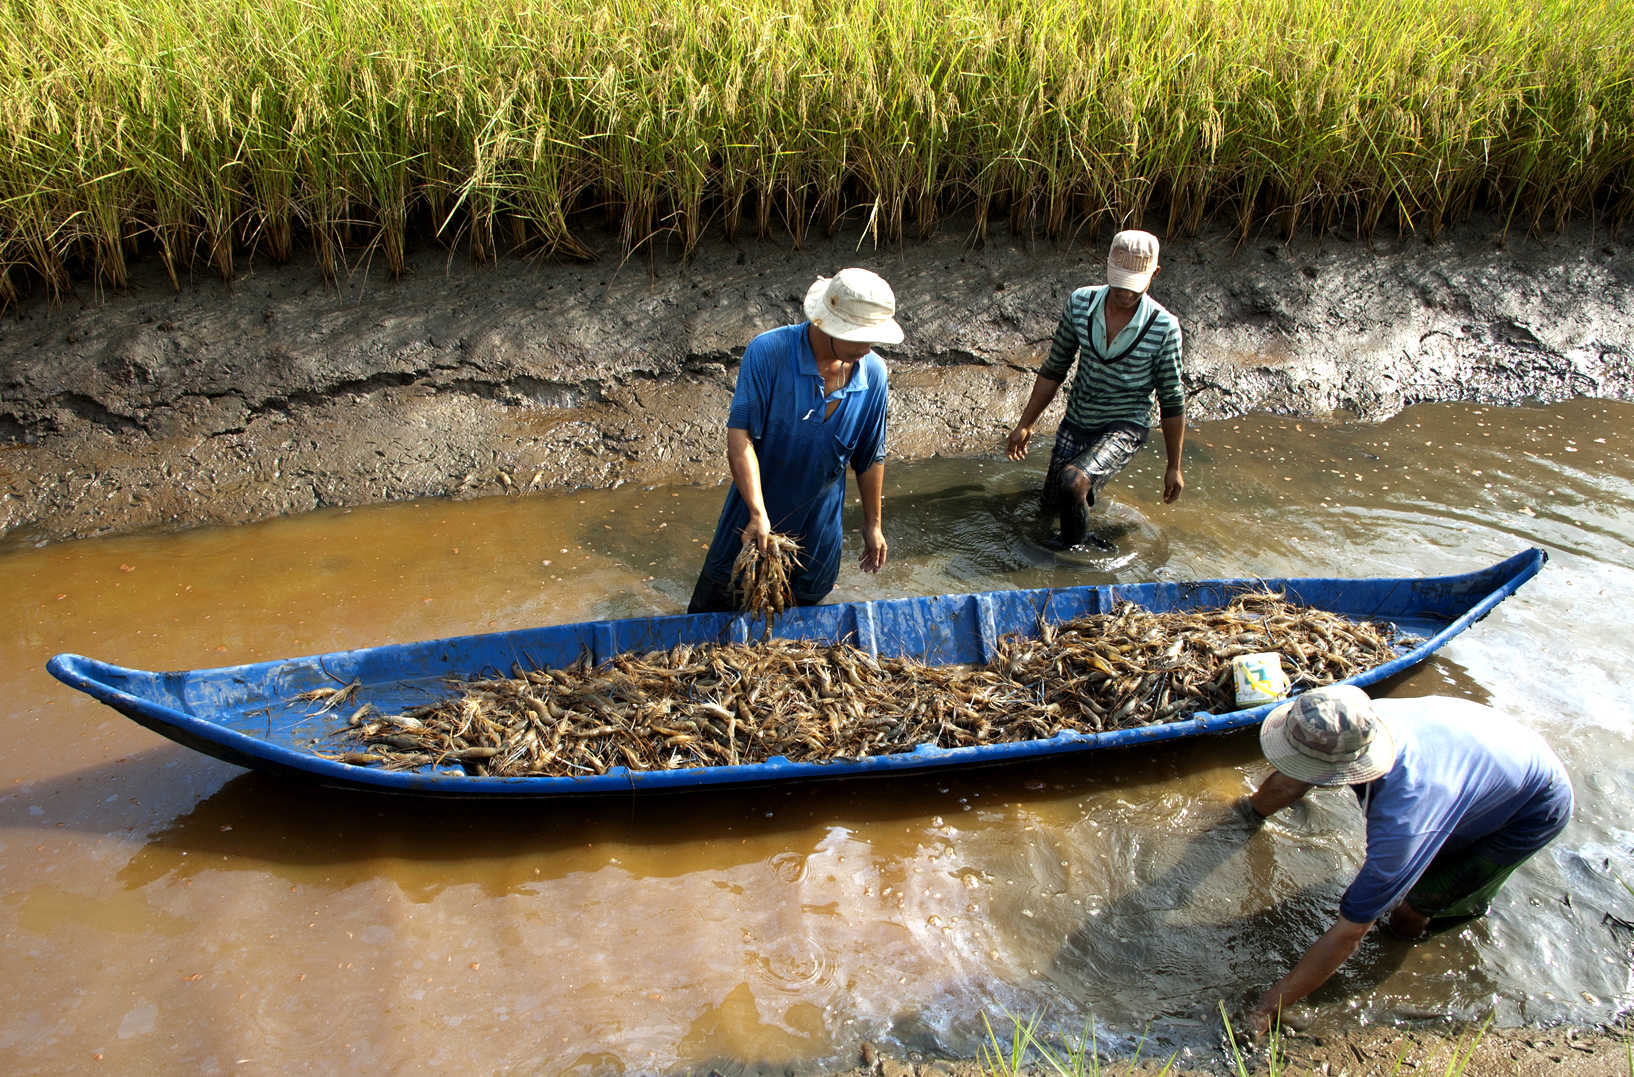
x=1133 y=260
x=854 y=304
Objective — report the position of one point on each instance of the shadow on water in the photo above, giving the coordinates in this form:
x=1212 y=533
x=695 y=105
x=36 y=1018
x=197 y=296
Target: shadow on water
x=255 y=820
x=1158 y=928
x=1202 y=920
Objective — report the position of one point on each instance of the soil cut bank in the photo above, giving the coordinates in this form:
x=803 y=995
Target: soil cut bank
x=281 y=394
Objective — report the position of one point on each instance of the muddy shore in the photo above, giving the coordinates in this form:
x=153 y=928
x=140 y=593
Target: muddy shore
x=1375 y=1051
x=280 y=393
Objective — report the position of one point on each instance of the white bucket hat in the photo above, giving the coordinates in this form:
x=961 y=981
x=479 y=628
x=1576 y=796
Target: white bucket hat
x=854 y=304
x=1133 y=260
x=1329 y=736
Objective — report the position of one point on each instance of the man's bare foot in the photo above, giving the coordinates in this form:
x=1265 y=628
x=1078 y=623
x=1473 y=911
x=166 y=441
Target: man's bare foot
x=1407 y=922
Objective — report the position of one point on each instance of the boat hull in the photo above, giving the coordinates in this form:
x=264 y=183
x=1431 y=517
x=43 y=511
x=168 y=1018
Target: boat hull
x=249 y=715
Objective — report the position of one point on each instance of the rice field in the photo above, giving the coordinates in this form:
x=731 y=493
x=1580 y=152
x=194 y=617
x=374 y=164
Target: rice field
x=208 y=131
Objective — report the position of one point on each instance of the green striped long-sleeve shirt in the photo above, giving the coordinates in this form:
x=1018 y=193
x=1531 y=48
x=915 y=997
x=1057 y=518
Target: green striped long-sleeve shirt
x=1121 y=390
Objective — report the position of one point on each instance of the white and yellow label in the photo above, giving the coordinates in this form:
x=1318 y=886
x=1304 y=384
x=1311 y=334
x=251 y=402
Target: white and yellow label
x=1259 y=678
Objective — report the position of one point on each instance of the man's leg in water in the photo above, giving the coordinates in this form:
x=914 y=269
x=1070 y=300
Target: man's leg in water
x=1070 y=443
x=1077 y=494
x=710 y=595
x=1087 y=474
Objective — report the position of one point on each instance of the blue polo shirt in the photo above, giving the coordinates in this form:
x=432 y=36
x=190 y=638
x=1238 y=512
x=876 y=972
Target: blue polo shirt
x=779 y=402
x=1464 y=774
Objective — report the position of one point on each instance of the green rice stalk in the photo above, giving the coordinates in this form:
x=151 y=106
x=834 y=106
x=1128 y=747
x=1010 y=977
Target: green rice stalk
x=223 y=128
x=997 y=1058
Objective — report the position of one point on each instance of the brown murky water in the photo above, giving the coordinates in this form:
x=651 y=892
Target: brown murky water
x=165 y=913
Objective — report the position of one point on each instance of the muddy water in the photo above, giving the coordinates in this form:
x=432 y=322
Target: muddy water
x=165 y=913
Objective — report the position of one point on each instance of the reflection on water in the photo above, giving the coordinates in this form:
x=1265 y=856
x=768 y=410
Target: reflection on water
x=170 y=913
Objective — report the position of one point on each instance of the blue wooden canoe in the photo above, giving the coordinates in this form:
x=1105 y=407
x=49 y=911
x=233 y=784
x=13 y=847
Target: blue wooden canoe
x=248 y=715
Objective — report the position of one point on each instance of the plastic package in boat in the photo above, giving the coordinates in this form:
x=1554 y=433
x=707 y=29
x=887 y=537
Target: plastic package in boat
x=1259 y=678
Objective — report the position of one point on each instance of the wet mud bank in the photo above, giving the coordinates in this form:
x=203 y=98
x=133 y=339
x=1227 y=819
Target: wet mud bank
x=1435 y=1047
x=281 y=393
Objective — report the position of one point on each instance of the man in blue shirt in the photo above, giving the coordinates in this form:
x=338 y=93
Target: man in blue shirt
x=810 y=401
x=1456 y=797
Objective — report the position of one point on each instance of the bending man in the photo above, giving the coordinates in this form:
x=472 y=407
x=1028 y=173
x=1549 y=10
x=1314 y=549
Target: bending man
x=1127 y=347
x=810 y=400
x=1456 y=797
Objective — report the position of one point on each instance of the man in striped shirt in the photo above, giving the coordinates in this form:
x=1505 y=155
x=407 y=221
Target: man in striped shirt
x=1127 y=347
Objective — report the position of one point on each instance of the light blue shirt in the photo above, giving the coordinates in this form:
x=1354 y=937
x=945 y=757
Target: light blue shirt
x=1463 y=774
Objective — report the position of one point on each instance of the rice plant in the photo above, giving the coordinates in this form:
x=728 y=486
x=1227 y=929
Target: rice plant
x=206 y=131
x=1276 y=1053
x=1000 y=1059
x=1079 y=1056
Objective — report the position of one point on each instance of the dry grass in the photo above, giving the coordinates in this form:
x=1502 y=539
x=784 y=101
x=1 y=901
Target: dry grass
x=206 y=130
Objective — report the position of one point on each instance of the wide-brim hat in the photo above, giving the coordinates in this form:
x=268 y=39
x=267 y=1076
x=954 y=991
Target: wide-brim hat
x=1329 y=736
x=856 y=305
x=1132 y=261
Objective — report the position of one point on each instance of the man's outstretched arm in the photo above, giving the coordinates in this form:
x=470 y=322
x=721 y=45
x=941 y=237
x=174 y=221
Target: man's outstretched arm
x=1063 y=350
x=1044 y=390
x=1320 y=961
x=745 y=465
x=1276 y=792
x=1174 y=440
x=871 y=485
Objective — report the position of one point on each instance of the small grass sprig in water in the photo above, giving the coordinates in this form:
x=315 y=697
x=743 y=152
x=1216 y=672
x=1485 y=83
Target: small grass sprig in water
x=1463 y=1050
x=1074 y=1057
x=1276 y=1057
x=998 y=1058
